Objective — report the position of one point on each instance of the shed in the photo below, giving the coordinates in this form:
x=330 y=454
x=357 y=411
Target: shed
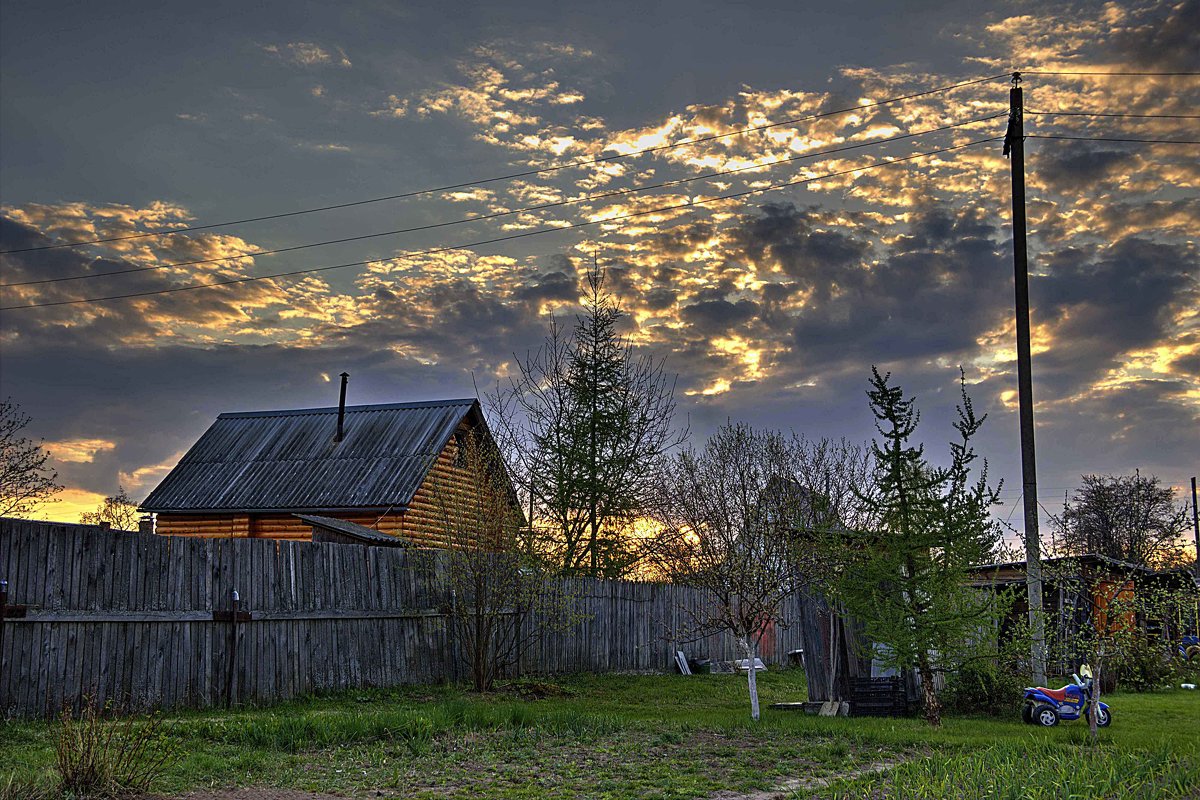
x=339 y=531
x=1080 y=591
x=252 y=473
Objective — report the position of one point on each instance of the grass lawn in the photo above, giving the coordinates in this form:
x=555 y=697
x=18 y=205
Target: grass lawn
x=651 y=736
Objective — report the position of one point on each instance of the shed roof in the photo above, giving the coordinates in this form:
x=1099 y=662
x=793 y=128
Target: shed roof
x=263 y=461
x=1090 y=559
x=352 y=530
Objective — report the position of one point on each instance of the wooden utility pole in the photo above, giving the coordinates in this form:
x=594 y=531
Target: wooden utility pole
x=1014 y=148
x=1196 y=527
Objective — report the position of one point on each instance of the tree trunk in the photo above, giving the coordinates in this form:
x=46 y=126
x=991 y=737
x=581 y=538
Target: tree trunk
x=751 y=675
x=1094 y=703
x=933 y=706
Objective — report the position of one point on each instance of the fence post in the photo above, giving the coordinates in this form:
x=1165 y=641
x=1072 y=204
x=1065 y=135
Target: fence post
x=3 y=615
x=232 y=648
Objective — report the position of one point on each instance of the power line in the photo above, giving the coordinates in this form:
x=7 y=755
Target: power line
x=1103 y=74
x=1011 y=510
x=587 y=223
x=1101 y=114
x=498 y=214
x=511 y=176
x=1110 y=139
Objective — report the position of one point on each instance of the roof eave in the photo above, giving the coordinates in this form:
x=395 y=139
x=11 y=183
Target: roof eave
x=396 y=508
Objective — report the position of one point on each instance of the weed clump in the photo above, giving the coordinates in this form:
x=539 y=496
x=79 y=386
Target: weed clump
x=101 y=757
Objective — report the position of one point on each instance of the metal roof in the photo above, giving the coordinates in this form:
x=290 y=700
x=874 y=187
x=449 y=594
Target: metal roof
x=288 y=461
x=1085 y=558
x=353 y=530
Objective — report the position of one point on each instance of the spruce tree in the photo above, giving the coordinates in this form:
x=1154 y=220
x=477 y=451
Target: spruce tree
x=905 y=580
x=588 y=421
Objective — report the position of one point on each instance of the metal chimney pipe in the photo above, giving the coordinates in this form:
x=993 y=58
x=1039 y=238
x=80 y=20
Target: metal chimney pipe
x=342 y=407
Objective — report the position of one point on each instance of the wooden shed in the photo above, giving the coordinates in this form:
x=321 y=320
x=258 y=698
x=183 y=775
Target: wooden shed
x=1083 y=591
x=252 y=473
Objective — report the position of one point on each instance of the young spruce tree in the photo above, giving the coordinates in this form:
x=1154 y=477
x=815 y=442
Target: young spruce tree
x=905 y=579
x=586 y=424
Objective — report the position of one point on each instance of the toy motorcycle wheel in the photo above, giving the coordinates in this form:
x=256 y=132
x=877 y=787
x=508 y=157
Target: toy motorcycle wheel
x=1103 y=717
x=1045 y=716
x=1027 y=714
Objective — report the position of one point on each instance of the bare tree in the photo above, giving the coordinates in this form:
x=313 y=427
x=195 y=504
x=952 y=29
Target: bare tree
x=26 y=480
x=729 y=514
x=495 y=583
x=1130 y=518
x=586 y=423
x=119 y=510
x=836 y=476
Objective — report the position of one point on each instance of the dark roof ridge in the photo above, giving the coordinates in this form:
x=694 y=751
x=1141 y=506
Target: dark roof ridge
x=297 y=412
x=1081 y=557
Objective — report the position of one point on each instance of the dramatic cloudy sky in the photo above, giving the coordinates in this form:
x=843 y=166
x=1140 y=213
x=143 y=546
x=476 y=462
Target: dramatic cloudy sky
x=772 y=306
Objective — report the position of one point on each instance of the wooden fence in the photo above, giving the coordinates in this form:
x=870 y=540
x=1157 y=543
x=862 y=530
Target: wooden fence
x=147 y=621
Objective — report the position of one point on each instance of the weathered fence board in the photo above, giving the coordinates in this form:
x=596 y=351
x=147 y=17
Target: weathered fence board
x=128 y=618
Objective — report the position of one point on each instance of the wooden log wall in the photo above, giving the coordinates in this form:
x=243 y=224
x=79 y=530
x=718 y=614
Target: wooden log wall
x=143 y=620
x=421 y=523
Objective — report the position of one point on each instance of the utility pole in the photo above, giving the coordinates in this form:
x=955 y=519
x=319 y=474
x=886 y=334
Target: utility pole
x=1196 y=527
x=1014 y=147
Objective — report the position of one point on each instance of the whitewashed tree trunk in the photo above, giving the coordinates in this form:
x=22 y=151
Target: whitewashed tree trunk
x=1094 y=704
x=751 y=675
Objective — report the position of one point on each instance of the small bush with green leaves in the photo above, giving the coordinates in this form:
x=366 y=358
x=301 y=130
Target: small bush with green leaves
x=984 y=688
x=1146 y=664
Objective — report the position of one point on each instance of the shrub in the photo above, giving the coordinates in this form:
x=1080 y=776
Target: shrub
x=981 y=687
x=102 y=758
x=1143 y=664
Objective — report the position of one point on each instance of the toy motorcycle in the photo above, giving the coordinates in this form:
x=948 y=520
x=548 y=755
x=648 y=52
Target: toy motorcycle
x=1047 y=706
x=1189 y=648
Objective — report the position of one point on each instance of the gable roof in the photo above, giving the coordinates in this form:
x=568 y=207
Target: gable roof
x=265 y=461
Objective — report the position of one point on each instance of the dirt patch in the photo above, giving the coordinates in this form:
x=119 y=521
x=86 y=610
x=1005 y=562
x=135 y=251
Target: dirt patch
x=533 y=690
x=251 y=793
x=789 y=787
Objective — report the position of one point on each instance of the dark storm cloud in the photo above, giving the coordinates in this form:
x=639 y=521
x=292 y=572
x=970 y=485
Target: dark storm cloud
x=1071 y=169
x=1137 y=424
x=1101 y=306
x=774 y=304
x=154 y=402
x=659 y=299
x=682 y=239
x=1187 y=365
x=934 y=293
x=16 y=235
x=44 y=264
x=1171 y=44
x=550 y=286
x=786 y=236
x=715 y=317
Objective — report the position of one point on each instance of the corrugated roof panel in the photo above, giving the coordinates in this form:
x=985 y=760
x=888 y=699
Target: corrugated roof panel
x=353 y=530
x=281 y=460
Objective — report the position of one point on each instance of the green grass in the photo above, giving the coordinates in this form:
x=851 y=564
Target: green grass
x=653 y=736
x=1040 y=771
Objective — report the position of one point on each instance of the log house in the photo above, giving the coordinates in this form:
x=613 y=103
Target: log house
x=252 y=473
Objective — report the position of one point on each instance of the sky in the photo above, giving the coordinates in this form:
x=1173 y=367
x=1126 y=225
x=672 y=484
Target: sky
x=771 y=306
